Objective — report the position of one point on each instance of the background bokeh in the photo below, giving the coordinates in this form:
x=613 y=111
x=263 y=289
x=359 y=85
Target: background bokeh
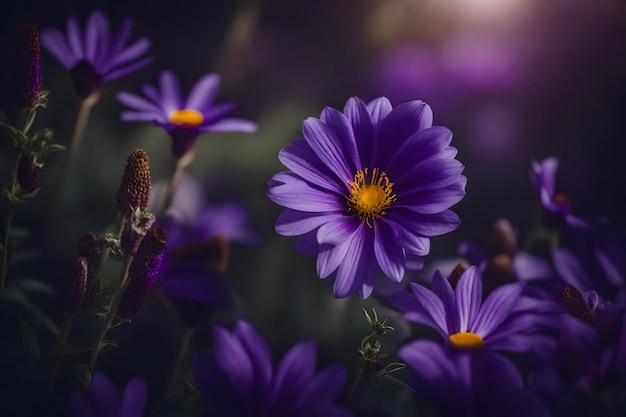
x=514 y=80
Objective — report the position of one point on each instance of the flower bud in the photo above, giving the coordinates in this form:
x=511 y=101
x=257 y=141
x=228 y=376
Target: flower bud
x=29 y=173
x=75 y=290
x=143 y=271
x=32 y=81
x=576 y=304
x=90 y=248
x=137 y=225
x=134 y=191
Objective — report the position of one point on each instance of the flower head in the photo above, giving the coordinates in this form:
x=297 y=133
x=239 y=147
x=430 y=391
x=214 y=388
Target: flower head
x=134 y=190
x=184 y=119
x=103 y=399
x=483 y=384
x=33 y=83
x=239 y=379
x=93 y=55
x=459 y=315
x=75 y=291
x=367 y=188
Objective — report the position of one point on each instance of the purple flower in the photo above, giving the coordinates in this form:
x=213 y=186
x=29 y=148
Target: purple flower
x=239 y=379
x=184 y=119
x=543 y=179
x=103 y=399
x=367 y=188
x=95 y=56
x=504 y=321
x=460 y=384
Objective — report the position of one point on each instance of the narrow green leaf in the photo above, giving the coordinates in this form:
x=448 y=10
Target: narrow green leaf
x=17 y=296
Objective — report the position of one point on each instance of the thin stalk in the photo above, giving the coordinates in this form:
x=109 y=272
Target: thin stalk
x=112 y=312
x=166 y=198
x=181 y=358
x=11 y=209
x=67 y=324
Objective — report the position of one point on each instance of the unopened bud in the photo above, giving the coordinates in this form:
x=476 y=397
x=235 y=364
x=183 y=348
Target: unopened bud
x=456 y=273
x=76 y=287
x=137 y=225
x=576 y=304
x=29 y=173
x=134 y=191
x=31 y=50
x=90 y=247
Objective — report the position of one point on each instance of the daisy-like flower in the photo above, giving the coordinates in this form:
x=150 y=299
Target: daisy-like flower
x=483 y=384
x=184 y=119
x=367 y=188
x=93 y=54
x=238 y=378
x=503 y=321
x=104 y=399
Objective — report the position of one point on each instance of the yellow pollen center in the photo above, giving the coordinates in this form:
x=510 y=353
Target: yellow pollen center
x=186 y=117
x=466 y=340
x=370 y=194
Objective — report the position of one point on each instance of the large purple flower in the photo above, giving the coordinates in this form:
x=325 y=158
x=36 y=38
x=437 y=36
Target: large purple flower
x=103 y=399
x=238 y=378
x=184 y=119
x=483 y=384
x=94 y=55
x=504 y=321
x=367 y=188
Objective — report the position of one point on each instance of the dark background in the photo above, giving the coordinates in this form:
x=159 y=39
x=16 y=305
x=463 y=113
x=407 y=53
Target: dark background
x=513 y=82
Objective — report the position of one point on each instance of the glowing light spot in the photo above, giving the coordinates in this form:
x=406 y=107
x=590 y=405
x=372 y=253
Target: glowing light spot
x=186 y=117
x=370 y=194
x=466 y=340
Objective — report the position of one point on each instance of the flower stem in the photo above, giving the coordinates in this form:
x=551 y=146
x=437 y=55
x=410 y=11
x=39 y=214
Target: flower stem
x=166 y=197
x=181 y=358
x=67 y=324
x=10 y=210
x=112 y=312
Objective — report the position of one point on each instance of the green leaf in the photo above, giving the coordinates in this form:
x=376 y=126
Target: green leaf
x=30 y=342
x=108 y=342
x=17 y=296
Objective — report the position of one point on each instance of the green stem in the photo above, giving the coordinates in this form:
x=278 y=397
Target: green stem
x=181 y=358
x=67 y=324
x=166 y=198
x=112 y=312
x=11 y=209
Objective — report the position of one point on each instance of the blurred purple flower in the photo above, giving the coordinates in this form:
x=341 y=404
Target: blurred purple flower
x=504 y=321
x=184 y=119
x=543 y=178
x=481 y=384
x=95 y=56
x=366 y=190
x=103 y=399
x=238 y=378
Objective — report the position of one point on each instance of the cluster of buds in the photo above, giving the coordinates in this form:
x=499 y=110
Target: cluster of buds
x=372 y=364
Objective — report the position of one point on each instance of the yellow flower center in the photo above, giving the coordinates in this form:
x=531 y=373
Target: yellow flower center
x=466 y=340
x=186 y=117
x=370 y=194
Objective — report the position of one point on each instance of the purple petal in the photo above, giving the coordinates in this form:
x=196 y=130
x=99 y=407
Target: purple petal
x=103 y=395
x=134 y=398
x=130 y=53
x=468 y=297
x=75 y=38
x=329 y=258
x=138 y=103
x=327 y=147
x=233 y=359
x=297 y=194
x=126 y=69
x=496 y=309
x=338 y=230
x=296 y=368
x=295 y=223
x=442 y=288
x=433 y=306
x=339 y=124
x=170 y=92
x=529 y=267
x=133 y=116
x=352 y=270
x=300 y=158
x=54 y=41
x=117 y=43
x=571 y=270
x=232 y=125
x=433 y=201
x=152 y=93
x=258 y=351
x=389 y=254
x=408 y=240
x=427 y=358
x=426 y=224
x=325 y=386
x=357 y=113
x=431 y=174
x=203 y=92
x=379 y=108
x=96 y=29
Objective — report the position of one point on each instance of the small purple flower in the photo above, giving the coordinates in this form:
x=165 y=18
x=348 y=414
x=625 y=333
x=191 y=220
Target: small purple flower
x=95 y=56
x=103 y=399
x=504 y=321
x=482 y=384
x=238 y=379
x=184 y=119
x=543 y=178
x=367 y=188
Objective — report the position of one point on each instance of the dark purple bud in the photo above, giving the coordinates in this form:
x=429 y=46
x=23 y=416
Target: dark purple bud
x=503 y=239
x=456 y=273
x=87 y=81
x=137 y=225
x=134 y=191
x=143 y=272
x=32 y=84
x=76 y=287
x=577 y=305
x=90 y=248
x=29 y=173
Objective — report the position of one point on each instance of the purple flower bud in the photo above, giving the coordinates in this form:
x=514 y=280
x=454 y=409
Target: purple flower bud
x=134 y=191
x=30 y=173
x=76 y=287
x=137 y=225
x=32 y=81
x=577 y=305
x=143 y=271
